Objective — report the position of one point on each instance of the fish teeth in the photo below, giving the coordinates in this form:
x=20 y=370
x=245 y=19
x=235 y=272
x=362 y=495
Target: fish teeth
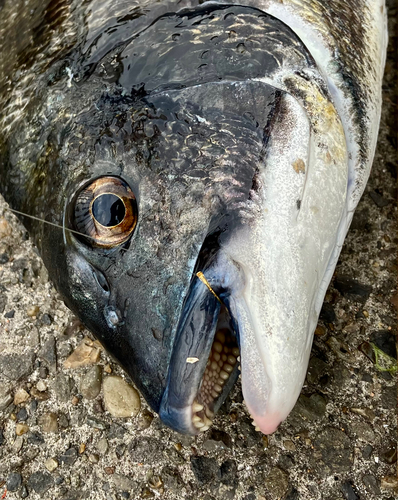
x=224 y=375
x=196 y=407
x=209 y=413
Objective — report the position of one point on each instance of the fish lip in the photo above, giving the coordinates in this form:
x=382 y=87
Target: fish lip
x=194 y=339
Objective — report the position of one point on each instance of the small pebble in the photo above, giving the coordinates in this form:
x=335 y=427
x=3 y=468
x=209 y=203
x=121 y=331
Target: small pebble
x=102 y=446
x=51 y=464
x=49 y=423
x=107 y=368
x=14 y=481
x=289 y=445
x=5 y=228
x=90 y=385
x=32 y=311
x=94 y=458
x=40 y=395
x=20 y=396
x=22 y=415
x=17 y=445
x=21 y=429
x=69 y=457
x=86 y=353
x=40 y=482
x=24 y=493
x=144 y=420
x=82 y=448
x=121 y=399
x=41 y=386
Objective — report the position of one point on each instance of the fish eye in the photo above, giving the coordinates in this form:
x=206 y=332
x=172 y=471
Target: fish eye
x=105 y=210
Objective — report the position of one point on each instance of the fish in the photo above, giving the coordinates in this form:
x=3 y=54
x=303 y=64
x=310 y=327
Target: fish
x=188 y=171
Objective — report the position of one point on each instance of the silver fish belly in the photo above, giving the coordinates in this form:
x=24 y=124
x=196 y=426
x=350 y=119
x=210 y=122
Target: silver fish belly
x=202 y=162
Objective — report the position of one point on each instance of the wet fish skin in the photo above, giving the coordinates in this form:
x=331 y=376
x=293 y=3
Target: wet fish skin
x=49 y=147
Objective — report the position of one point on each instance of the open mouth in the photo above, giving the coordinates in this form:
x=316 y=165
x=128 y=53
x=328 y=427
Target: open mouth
x=204 y=364
x=219 y=375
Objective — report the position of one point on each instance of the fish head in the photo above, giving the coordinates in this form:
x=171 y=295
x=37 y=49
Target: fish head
x=203 y=216
x=201 y=231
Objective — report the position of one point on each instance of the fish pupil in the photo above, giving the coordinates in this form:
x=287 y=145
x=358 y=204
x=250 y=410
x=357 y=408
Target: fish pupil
x=108 y=209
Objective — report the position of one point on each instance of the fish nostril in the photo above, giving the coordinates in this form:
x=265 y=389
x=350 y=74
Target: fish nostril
x=101 y=280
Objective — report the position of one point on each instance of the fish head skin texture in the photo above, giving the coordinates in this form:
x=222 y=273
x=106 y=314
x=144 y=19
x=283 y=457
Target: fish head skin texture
x=233 y=161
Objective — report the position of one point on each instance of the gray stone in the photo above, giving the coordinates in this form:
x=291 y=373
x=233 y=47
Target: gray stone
x=363 y=431
x=389 y=398
x=14 y=481
x=62 y=387
x=205 y=469
x=348 y=491
x=332 y=451
x=228 y=473
x=5 y=401
x=122 y=483
x=277 y=483
x=146 y=450
x=48 y=354
x=371 y=484
x=63 y=421
x=102 y=446
x=116 y=431
x=367 y=451
x=308 y=409
x=316 y=369
x=212 y=445
x=90 y=385
x=96 y=423
x=69 y=457
x=35 y=438
x=16 y=366
x=120 y=450
x=341 y=375
x=22 y=415
x=40 y=482
x=24 y=493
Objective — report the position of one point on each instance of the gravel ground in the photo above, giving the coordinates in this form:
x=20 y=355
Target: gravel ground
x=60 y=436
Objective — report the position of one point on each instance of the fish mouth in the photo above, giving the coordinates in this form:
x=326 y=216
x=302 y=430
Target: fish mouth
x=204 y=364
x=220 y=374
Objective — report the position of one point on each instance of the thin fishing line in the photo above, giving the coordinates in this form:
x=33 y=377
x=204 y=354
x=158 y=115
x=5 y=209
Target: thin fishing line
x=64 y=228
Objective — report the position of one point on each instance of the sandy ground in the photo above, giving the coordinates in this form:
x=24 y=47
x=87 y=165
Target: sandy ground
x=338 y=443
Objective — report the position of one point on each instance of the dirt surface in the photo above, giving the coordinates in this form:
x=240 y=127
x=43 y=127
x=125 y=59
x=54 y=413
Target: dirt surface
x=338 y=443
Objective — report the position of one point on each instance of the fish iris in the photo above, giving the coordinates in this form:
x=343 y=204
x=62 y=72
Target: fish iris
x=108 y=209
